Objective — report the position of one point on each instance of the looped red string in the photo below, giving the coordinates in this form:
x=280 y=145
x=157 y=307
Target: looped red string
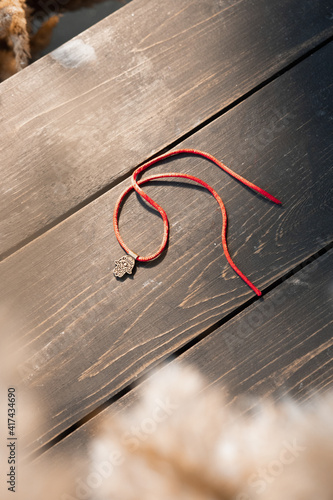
x=136 y=186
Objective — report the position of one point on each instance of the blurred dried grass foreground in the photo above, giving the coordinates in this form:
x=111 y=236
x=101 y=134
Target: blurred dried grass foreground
x=20 y=410
x=179 y=439
x=27 y=26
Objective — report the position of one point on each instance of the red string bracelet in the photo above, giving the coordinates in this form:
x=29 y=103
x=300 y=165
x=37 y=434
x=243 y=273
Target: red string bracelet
x=126 y=264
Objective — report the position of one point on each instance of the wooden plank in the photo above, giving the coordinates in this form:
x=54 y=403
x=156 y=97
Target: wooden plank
x=153 y=72
x=91 y=335
x=280 y=346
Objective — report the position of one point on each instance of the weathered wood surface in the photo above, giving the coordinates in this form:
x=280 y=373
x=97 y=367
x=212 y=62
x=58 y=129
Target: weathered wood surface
x=160 y=70
x=91 y=335
x=280 y=346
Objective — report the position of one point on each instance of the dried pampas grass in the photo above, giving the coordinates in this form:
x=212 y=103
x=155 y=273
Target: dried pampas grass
x=184 y=441
x=19 y=39
x=22 y=479
x=181 y=440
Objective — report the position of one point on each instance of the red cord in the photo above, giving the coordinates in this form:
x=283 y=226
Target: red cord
x=136 y=186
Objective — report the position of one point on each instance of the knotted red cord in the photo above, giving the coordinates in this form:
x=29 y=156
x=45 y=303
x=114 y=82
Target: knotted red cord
x=136 y=186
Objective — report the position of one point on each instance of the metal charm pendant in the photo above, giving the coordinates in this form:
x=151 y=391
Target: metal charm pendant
x=123 y=265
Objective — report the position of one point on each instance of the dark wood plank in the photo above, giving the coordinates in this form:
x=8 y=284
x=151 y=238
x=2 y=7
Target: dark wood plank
x=280 y=346
x=160 y=70
x=90 y=335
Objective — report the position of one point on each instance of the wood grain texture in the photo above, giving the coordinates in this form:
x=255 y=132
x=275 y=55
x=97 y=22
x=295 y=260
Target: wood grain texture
x=279 y=347
x=160 y=70
x=90 y=335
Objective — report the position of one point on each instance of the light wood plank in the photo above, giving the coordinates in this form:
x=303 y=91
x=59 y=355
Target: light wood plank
x=90 y=335
x=161 y=69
